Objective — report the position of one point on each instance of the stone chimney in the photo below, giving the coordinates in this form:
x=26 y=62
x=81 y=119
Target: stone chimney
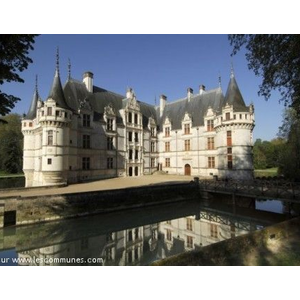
x=201 y=89
x=88 y=81
x=162 y=104
x=189 y=93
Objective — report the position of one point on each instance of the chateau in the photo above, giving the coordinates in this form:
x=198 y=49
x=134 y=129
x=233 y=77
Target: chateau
x=84 y=132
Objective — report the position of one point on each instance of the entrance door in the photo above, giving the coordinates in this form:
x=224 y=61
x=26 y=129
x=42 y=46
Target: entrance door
x=187 y=170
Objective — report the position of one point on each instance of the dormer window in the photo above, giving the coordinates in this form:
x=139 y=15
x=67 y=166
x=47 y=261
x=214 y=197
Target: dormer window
x=86 y=122
x=187 y=129
x=153 y=131
x=49 y=111
x=210 y=125
x=167 y=131
x=227 y=116
x=109 y=124
x=130 y=117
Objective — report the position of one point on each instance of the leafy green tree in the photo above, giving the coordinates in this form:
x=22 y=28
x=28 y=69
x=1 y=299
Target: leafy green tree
x=259 y=157
x=14 y=50
x=277 y=59
x=289 y=160
x=11 y=146
x=266 y=154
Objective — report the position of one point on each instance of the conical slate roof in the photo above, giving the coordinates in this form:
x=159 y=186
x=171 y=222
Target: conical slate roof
x=234 y=97
x=56 y=92
x=32 y=110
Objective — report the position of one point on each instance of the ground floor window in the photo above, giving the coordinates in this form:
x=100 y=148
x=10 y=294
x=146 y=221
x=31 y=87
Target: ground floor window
x=86 y=163
x=169 y=235
x=136 y=171
x=109 y=254
x=211 y=162
x=136 y=253
x=152 y=162
x=110 y=163
x=229 y=162
x=130 y=256
x=189 y=241
x=167 y=162
x=214 y=230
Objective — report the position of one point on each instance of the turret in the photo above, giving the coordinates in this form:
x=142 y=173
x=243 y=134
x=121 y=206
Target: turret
x=29 y=126
x=55 y=119
x=234 y=126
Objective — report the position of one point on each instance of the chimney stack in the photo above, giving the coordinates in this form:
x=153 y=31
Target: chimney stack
x=189 y=93
x=201 y=89
x=88 y=81
x=162 y=104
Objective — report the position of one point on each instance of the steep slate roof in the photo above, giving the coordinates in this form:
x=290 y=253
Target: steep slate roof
x=234 y=97
x=75 y=92
x=148 y=111
x=56 y=92
x=196 y=107
x=32 y=110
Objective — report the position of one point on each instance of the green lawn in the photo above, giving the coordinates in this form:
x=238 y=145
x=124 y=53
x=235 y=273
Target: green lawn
x=266 y=172
x=3 y=174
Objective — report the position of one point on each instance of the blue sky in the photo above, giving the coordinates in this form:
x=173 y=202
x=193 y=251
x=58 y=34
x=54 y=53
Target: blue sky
x=151 y=65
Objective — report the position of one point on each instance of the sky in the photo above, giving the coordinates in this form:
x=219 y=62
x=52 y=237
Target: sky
x=152 y=65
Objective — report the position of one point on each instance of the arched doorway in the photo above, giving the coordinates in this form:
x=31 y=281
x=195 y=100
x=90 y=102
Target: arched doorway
x=187 y=170
x=136 y=171
x=130 y=171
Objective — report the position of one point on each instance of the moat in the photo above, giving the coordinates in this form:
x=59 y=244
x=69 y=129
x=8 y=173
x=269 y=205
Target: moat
x=135 y=236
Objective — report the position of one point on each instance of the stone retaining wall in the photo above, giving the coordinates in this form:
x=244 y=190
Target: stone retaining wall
x=53 y=207
x=261 y=247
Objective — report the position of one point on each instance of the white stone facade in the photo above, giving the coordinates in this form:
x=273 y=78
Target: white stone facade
x=82 y=132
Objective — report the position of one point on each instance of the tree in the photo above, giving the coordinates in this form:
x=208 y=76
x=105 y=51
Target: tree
x=277 y=59
x=289 y=160
x=14 y=50
x=11 y=146
x=266 y=154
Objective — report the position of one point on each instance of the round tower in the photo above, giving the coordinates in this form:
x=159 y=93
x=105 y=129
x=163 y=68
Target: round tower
x=234 y=126
x=29 y=130
x=55 y=119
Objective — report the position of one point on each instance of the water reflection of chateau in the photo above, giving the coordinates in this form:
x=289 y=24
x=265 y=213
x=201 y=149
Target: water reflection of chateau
x=144 y=244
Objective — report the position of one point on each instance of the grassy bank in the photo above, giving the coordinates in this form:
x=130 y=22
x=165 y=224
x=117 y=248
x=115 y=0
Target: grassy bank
x=3 y=174
x=266 y=172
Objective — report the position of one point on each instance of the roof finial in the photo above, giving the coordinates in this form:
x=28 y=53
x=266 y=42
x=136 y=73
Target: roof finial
x=36 y=84
x=232 y=70
x=155 y=100
x=57 y=60
x=69 y=69
x=220 y=80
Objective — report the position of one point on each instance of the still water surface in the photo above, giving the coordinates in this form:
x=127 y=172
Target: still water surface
x=133 y=237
